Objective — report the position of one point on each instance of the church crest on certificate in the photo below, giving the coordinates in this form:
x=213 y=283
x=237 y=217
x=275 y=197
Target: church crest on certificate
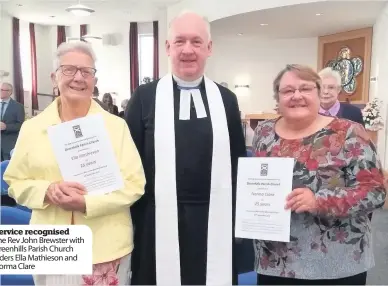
x=262 y=188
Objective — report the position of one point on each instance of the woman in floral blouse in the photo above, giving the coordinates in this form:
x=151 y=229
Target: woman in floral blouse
x=337 y=182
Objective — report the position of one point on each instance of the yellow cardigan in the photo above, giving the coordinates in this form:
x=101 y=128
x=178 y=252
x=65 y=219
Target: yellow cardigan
x=33 y=168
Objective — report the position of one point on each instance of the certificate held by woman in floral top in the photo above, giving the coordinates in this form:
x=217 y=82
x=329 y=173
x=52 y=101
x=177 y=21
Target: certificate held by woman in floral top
x=262 y=187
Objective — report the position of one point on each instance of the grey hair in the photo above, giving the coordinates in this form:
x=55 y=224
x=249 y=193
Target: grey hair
x=8 y=83
x=329 y=72
x=79 y=46
x=124 y=103
x=186 y=12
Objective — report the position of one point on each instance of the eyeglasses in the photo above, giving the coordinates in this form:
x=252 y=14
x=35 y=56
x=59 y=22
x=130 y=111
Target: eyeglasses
x=5 y=89
x=303 y=90
x=69 y=70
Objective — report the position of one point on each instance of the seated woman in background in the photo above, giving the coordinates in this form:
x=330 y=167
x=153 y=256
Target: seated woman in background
x=35 y=180
x=108 y=100
x=337 y=182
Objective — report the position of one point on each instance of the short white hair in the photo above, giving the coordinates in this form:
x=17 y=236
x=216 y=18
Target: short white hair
x=186 y=12
x=79 y=46
x=124 y=103
x=7 y=83
x=329 y=72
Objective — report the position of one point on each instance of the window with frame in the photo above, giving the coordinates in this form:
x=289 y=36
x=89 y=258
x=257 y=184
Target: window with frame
x=146 y=60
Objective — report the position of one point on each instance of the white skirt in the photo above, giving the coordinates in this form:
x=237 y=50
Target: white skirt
x=116 y=272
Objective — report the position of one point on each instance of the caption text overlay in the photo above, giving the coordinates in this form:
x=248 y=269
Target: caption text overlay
x=45 y=250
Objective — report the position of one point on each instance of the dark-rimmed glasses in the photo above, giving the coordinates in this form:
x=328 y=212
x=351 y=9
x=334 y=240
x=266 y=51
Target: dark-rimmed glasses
x=70 y=70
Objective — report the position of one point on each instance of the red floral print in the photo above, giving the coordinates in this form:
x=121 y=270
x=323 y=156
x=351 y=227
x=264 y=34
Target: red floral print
x=335 y=144
x=312 y=165
x=367 y=175
x=340 y=126
x=261 y=154
x=340 y=235
x=88 y=280
x=361 y=134
x=103 y=274
x=354 y=150
x=340 y=165
x=265 y=131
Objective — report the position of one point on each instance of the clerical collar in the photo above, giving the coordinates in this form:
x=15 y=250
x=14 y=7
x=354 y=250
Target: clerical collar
x=188 y=84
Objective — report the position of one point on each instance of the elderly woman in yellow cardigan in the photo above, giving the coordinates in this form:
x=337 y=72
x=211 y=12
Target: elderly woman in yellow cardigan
x=35 y=180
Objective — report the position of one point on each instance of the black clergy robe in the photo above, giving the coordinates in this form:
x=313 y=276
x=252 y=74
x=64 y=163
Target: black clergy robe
x=193 y=139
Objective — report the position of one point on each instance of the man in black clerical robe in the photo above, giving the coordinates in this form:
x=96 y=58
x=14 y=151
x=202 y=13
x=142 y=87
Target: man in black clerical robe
x=196 y=122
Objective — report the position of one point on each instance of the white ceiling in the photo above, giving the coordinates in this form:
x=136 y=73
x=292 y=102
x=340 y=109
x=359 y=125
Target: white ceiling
x=40 y=11
x=300 y=21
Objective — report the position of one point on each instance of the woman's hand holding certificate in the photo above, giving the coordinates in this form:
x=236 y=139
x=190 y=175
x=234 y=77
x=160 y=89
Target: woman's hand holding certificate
x=67 y=195
x=302 y=200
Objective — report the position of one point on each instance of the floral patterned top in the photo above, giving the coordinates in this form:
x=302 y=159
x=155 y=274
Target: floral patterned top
x=339 y=164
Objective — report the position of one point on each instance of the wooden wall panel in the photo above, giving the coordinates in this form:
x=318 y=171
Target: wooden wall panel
x=360 y=44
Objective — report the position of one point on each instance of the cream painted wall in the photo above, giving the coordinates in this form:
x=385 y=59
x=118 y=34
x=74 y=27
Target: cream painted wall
x=379 y=70
x=256 y=62
x=215 y=9
x=44 y=37
x=6 y=45
x=44 y=56
x=163 y=27
x=113 y=62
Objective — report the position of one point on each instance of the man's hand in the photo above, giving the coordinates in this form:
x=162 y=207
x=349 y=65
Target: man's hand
x=3 y=126
x=302 y=200
x=67 y=195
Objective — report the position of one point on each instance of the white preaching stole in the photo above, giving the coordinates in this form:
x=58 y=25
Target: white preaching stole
x=219 y=241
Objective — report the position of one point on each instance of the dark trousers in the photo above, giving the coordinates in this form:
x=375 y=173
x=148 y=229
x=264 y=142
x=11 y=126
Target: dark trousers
x=5 y=156
x=7 y=201
x=359 y=279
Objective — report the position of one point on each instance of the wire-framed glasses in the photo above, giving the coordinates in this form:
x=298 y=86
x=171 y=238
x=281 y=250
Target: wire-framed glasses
x=303 y=90
x=70 y=70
